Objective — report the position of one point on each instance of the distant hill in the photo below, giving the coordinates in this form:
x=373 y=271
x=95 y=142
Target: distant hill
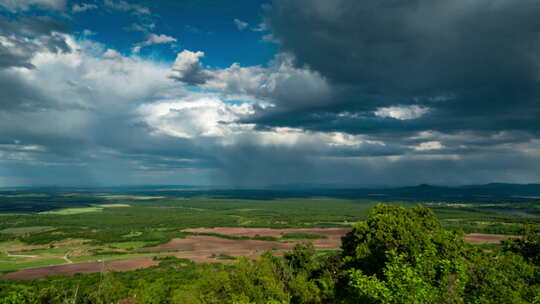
x=425 y=190
x=493 y=189
x=420 y=192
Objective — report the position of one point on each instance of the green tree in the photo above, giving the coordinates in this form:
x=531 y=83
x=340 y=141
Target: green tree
x=18 y=295
x=528 y=246
x=506 y=278
x=403 y=255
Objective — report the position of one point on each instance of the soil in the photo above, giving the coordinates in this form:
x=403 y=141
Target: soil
x=486 y=238
x=91 y=267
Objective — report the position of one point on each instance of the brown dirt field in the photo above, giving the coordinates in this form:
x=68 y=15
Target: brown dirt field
x=252 y=232
x=91 y=267
x=26 y=248
x=333 y=240
x=70 y=243
x=476 y=238
x=39 y=247
x=212 y=243
x=122 y=265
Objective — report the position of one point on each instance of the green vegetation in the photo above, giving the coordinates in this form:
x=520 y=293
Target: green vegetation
x=12 y=264
x=302 y=236
x=112 y=205
x=71 y=211
x=397 y=255
x=129 y=197
x=23 y=230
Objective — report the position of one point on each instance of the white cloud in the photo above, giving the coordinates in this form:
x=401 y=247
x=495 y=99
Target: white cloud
x=241 y=25
x=429 y=145
x=144 y=27
x=21 y=5
x=192 y=118
x=152 y=39
x=127 y=7
x=86 y=80
x=78 y=8
x=110 y=53
x=402 y=112
x=187 y=68
x=200 y=117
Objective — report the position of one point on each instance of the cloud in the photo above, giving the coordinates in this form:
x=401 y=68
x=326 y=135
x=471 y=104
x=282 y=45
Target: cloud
x=23 y=5
x=16 y=49
x=347 y=106
x=241 y=25
x=402 y=112
x=83 y=7
x=127 y=7
x=88 y=32
x=152 y=39
x=429 y=145
x=445 y=56
x=188 y=69
x=110 y=53
x=141 y=27
x=262 y=27
x=276 y=85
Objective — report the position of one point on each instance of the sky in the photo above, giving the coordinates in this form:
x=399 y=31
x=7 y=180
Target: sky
x=252 y=93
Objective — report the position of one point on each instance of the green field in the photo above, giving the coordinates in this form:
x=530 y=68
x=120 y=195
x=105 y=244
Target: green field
x=23 y=230
x=71 y=211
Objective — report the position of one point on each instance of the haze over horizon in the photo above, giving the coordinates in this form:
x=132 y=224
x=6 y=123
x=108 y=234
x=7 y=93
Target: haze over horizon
x=253 y=93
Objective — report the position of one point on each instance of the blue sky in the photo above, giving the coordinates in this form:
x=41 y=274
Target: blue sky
x=206 y=26
x=257 y=93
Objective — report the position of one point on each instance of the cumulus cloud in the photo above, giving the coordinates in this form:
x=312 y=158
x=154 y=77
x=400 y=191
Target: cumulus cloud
x=152 y=39
x=188 y=69
x=16 y=49
x=277 y=84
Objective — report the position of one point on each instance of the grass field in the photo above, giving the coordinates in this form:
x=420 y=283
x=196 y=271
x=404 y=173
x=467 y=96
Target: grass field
x=71 y=211
x=23 y=230
x=113 y=205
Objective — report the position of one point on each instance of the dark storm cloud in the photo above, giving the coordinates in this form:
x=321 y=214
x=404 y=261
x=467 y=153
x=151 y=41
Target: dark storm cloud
x=476 y=64
x=242 y=166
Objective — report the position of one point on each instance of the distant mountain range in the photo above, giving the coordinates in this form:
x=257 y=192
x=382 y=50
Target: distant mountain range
x=424 y=191
x=493 y=189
